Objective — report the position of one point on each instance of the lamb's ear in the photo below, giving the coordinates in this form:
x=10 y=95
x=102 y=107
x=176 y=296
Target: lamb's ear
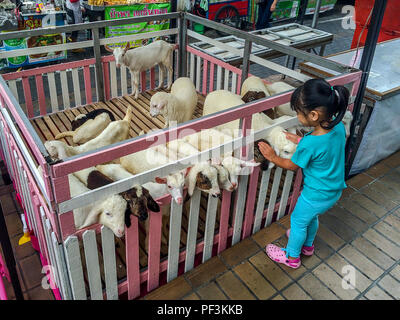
x=160 y=180
x=187 y=170
x=127 y=47
x=96 y=180
x=128 y=216
x=151 y=204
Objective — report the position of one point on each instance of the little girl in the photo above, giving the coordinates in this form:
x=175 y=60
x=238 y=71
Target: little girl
x=321 y=155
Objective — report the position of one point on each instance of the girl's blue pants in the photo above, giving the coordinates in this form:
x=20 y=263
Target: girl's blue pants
x=304 y=223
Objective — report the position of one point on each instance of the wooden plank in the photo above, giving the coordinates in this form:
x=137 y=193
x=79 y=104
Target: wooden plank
x=13 y=87
x=65 y=90
x=198 y=66
x=285 y=194
x=92 y=264
x=53 y=91
x=124 y=84
x=132 y=258
x=62 y=270
x=262 y=194
x=192 y=231
x=155 y=229
x=234 y=82
x=28 y=97
x=77 y=89
x=226 y=79
x=224 y=220
x=174 y=240
x=192 y=63
x=219 y=77
x=273 y=196
x=56 y=118
x=144 y=110
x=250 y=202
x=239 y=206
x=210 y=227
x=43 y=128
x=205 y=77
x=88 y=84
x=74 y=266
x=113 y=80
x=120 y=254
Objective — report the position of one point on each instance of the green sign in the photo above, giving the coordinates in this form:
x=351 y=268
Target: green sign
x=286 y=9
x=135 y=10
x=325 y=6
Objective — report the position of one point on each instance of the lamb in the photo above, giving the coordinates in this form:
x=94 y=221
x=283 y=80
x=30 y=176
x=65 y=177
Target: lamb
x=278 y=87
x=88 y=126
x=253 y=88
x=143 y=58
x=172 y=184
x=110 y=212
x=116 y=131
x=177 y=106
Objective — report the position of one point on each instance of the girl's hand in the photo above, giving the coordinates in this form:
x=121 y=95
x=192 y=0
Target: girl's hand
x=273 y=6
x=292 y=137
x=267 y=151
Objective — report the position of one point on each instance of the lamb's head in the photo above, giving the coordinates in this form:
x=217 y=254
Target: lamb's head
x=235 y=167
x=223 y=176
x=158 y=103
x=204 y=177
x=139 y=202
x=253 y=95
x=119 y=55
x=110 y=213
x=282 y=146
x=175 y=183
x=113 y=214
x=58 y=150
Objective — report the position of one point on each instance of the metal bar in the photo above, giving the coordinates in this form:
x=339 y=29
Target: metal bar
x=316 y=14
x=365 y=66
x=182 y=67
x=84 y=26
x=98 y=65
x=9 y=257
x=302 y=11
x=246 y=59
x=269 y=44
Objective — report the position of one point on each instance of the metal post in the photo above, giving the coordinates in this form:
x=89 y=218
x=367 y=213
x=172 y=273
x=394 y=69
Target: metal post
x=9 y=257
x=316 y=14
x=182 y=47
x=246 y=59
x=365 y=66
x=98 y=65
x=302 y=11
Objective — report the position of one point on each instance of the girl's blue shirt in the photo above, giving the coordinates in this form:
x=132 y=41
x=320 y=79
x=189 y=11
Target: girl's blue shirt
x=322 y=159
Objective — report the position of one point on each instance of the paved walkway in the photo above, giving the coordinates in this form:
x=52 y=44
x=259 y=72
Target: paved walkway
x=28 y=262
x=361 y=233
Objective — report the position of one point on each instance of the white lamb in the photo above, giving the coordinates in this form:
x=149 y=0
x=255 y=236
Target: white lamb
x=279 y=87
x=88 y=126
x=177 y=106
x=109 y=212
x=143 y=58
x=116 y=131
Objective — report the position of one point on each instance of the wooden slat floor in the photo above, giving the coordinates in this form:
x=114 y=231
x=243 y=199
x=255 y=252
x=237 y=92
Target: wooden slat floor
x=50 y=125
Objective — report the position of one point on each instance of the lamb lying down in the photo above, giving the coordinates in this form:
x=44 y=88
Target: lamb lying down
x=116 y=131
x=88 y=126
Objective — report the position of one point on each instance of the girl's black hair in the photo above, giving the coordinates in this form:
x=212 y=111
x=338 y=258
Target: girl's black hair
x=316 y=93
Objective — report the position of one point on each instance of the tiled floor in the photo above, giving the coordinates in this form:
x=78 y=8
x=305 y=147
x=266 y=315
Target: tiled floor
x=28 y=262
x=360 y=236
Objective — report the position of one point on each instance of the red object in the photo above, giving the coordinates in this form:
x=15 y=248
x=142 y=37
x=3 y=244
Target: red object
x=73 y=1
x=241 y=6
x=390 y=26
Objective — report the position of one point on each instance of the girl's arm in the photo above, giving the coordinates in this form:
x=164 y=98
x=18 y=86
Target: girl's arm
x=270 y=155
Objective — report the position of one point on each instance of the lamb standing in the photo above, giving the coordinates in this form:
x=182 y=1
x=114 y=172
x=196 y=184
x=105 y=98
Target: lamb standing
x=177 y=106
x=143 y=58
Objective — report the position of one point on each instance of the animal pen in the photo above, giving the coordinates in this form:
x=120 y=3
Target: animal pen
x=92 y=263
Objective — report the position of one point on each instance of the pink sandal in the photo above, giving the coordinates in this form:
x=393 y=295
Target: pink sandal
x=277 y=254
x=307 y=251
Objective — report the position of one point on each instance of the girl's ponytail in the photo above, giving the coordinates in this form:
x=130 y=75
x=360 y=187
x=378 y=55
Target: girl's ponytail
x=338 y=106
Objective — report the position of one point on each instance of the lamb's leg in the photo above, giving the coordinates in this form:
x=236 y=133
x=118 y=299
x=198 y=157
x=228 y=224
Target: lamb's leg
x=160 y=76
x=168 y=64
x=136 y=84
